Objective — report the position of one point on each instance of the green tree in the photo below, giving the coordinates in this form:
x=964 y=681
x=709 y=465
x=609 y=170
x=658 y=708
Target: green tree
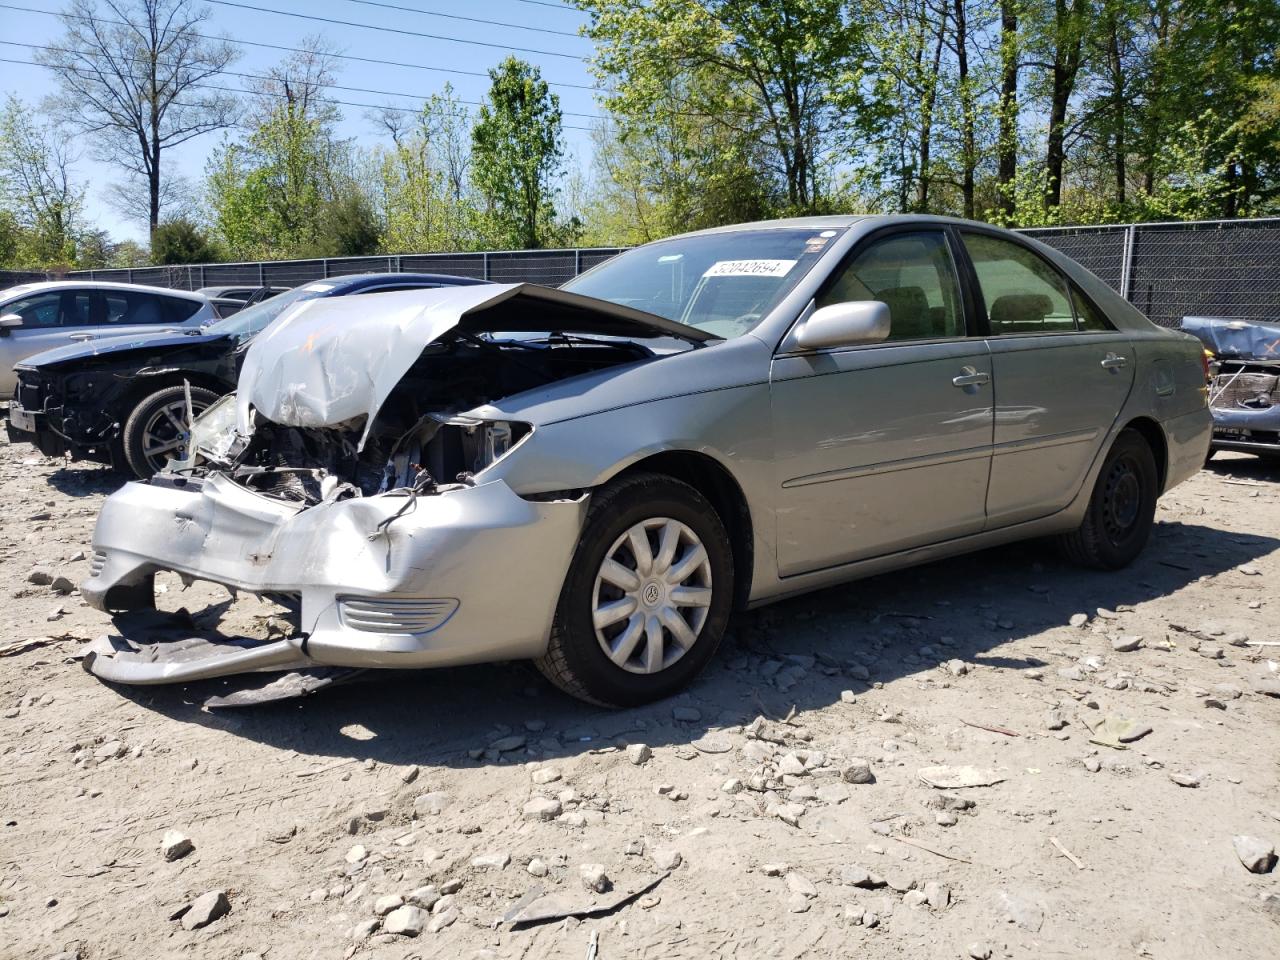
x=349 y=227
x=136 y=77
x=181 y=241
x=424 y=180
x=794 y=69
x=517 y=155
x=44 y=204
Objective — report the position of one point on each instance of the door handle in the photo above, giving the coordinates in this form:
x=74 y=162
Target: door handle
x=970 y=377
x=1114 y=362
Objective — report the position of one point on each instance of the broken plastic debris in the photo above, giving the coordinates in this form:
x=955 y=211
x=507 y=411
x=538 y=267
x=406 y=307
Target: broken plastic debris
x=951 y=778
x=532 y=908
x=1115 y=732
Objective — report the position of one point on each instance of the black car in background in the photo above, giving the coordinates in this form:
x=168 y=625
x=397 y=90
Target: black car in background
x=229 y=300
x=124 y=400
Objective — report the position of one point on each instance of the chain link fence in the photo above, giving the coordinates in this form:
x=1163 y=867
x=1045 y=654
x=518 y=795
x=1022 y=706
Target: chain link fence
x=1220 y=268
x=550 y=267
x=1167 y=270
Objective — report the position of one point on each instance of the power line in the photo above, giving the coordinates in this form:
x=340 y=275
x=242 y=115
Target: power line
x=545 y=3
x=456 y=16
x=258 y=93
x=327 y=86
x=283 y=49
x=396 y=30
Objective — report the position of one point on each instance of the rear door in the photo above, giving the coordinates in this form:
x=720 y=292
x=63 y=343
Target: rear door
x=1062 y=374
x=884 y=447
x=49 y=317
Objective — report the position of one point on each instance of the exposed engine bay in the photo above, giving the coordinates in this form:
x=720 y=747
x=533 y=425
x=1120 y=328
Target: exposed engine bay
x=421 y=440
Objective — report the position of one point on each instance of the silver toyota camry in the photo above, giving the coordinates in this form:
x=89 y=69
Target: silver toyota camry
x=596 y=477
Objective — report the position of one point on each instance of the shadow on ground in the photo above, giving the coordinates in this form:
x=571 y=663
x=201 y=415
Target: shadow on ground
x=843 y=638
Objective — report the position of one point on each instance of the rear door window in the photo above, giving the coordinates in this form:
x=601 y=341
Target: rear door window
x=1088 y=317
x=1022 y=293
x=129 y=307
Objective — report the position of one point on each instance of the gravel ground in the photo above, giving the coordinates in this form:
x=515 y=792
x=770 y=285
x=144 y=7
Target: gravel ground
x=439 y=799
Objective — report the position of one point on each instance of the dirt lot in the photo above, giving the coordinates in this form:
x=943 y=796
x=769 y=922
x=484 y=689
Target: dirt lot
x=1080 y=850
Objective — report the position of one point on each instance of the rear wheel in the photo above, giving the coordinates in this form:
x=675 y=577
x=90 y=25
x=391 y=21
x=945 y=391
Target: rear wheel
x=647 y=596
x=1121 y=510
x=157 y=431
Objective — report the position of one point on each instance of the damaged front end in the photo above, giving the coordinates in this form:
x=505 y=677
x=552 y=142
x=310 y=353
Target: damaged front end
x=347 y=480
x=1244 y=382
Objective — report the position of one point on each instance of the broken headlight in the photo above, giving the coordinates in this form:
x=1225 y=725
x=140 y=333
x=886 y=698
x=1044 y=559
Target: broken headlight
x=466 y=445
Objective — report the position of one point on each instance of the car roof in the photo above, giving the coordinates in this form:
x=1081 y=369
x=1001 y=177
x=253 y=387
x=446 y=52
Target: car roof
x=833 y=222
x=45 y=285
x=800 y=223
x=354 y=281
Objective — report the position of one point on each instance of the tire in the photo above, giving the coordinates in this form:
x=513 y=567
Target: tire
x=1121 y=509
x=156 y=431
x=1210 y=455
x=576 y=660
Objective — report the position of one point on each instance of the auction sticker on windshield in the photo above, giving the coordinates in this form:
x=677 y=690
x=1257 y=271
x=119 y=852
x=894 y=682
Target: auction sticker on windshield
x=750 y=268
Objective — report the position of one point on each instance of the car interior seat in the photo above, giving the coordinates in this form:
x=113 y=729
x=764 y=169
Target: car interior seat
x=1020 y=313
x=911 y=318
x=148 y=311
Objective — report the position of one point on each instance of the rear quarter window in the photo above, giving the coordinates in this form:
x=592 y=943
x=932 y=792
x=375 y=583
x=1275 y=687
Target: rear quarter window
x=178 y=309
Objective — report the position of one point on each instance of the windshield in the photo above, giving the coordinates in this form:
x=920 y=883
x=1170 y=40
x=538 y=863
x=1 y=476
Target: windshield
x=252 y=320
x=723 y=283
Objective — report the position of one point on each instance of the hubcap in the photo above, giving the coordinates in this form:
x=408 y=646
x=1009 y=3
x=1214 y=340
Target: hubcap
x=1123 y=501
x=167 y=433
x=652 y=595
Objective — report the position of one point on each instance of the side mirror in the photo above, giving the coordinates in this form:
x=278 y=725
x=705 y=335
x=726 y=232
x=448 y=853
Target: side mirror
x=844 y=325
x=8 y=322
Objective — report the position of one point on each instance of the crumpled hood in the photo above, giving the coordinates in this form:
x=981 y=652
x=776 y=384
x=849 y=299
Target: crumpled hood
x=108 y=346
x=328 y=361
x=1233 y=338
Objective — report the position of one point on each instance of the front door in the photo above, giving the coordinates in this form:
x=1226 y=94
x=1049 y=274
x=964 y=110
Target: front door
x=49 y=318
x=884 y=447
x=1063 y=371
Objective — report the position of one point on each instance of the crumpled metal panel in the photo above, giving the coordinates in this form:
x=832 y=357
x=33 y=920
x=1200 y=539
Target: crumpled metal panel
x=1236 y=339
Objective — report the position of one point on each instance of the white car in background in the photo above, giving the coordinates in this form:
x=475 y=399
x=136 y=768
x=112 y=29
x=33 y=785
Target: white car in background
x=35 y=317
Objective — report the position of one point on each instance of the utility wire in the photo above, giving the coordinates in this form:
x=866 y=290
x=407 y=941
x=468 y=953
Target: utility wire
x=397 y=30
x=545 y=3
x=283 y=49
x=256 y=93
x=456 y=16
x=327 y=86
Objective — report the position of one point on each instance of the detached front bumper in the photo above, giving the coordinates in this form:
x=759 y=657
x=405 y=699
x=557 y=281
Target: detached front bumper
x=30 y=426
x=465 y=576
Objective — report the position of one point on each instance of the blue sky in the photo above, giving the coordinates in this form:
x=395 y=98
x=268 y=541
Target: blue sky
x=31 y=83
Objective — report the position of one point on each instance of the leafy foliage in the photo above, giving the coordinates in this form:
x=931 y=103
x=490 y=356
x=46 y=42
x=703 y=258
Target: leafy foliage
x=180 y=241
x=517 y=154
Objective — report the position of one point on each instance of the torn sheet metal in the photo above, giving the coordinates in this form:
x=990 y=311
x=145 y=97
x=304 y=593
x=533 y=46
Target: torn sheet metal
x=1233 y=338
x=299 y=683
x=316 y=367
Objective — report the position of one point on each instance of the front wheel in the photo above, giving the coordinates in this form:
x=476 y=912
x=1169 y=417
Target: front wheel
x=1121 y=510
x=157 y=430
x=647 y=597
